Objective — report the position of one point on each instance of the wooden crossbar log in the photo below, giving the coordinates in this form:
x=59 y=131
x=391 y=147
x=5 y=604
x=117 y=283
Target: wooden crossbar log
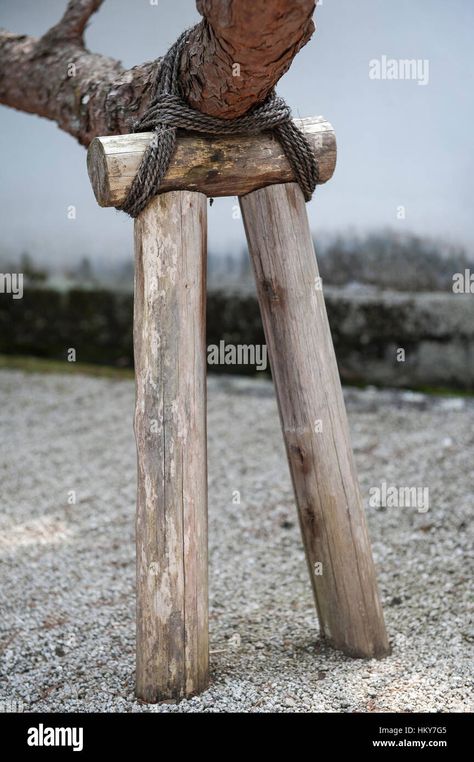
x=217 y=166
x=170 y=366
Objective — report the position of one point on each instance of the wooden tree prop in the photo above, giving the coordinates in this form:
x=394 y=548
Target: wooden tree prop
x=89 y=95
x=170 y=419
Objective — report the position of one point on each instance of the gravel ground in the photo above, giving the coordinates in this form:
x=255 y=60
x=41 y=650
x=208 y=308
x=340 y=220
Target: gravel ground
x=67 y=594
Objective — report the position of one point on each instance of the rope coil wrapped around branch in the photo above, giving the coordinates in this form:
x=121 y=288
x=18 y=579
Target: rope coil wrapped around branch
x=169 y=112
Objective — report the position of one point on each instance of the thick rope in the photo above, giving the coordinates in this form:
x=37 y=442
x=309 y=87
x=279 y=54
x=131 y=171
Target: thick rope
x=168 y=111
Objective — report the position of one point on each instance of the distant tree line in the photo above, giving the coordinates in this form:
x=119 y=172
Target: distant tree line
x=382 y=259
x=390 y=260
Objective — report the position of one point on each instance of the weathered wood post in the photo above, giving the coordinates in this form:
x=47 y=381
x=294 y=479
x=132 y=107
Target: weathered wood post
x=314 y=421
x=169 y=336
x=170 y=431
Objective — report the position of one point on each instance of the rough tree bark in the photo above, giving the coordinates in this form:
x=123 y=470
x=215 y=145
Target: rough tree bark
x=89 y=95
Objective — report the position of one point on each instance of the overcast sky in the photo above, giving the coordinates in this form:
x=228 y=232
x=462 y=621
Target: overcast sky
x=400 y=143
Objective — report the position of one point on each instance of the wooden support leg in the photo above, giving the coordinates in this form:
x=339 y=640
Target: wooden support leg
x=170 y=430
x=314 y=420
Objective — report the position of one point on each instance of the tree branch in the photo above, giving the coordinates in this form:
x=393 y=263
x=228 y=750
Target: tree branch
x=74 y=21
x=261 y=37
x=89 y=95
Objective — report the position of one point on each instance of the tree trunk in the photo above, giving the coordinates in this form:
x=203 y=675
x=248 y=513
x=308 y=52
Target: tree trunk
x=89 y=95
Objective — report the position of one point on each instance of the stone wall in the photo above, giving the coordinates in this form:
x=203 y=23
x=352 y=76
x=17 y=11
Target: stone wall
x=435 y=330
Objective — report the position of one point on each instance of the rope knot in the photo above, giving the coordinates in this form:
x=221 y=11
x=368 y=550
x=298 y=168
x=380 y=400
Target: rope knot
x=168 y=112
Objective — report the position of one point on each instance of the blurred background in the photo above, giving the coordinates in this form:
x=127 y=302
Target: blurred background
x=393 y=229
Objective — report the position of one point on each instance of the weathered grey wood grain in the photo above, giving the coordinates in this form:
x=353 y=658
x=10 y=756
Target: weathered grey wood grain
x=216 y=166
x=314 y=420
x=170 y=430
